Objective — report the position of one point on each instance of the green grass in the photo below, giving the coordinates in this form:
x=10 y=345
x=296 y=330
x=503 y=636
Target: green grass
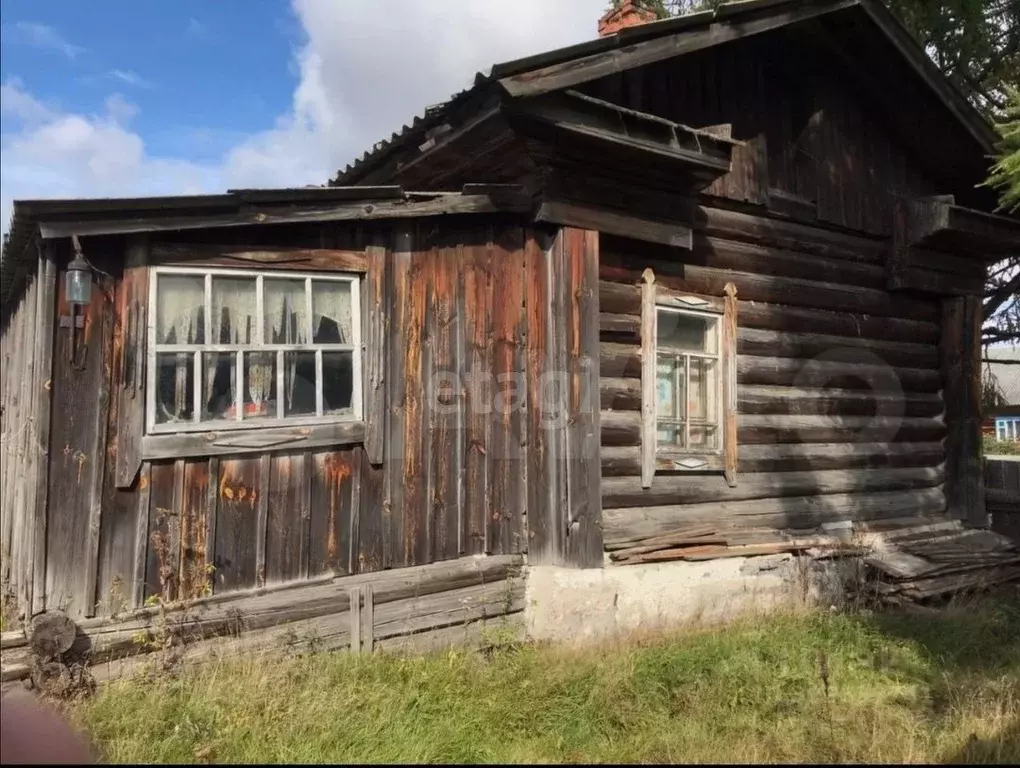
x=994 y=447
x=901 y=689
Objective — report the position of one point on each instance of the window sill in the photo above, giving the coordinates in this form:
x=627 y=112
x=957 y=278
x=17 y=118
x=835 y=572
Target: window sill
x=183 y=445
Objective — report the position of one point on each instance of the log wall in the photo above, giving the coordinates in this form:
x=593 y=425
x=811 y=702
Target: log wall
x=840 y=411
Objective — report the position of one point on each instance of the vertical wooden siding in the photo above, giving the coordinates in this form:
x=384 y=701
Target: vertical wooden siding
x=471 y=452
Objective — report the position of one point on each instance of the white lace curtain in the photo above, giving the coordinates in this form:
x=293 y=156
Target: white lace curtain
x=331 y=312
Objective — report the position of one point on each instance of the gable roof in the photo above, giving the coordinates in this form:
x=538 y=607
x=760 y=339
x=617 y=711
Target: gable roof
x=655 y=41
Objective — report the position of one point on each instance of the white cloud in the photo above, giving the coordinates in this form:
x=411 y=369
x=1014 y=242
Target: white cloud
x=130 y=77
x=361 y=76
x=196 y=28
x=40 y=36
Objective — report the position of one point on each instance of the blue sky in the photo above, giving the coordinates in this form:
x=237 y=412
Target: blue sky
x=120 y=98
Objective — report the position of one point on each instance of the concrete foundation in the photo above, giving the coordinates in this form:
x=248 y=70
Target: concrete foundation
x=570 y=605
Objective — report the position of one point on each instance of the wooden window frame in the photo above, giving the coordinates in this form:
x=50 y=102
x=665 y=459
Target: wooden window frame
x=656 y=458
x=239 y=423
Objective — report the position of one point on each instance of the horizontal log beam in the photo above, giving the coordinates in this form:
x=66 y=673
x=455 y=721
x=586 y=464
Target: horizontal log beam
x=629 y=527
x=624 y=461
x=610 y=222
x=111 y=638
x=685 y=489
x=623 y=297
x=789 y=291
x=765 y=430
x=785 y=372
x=754 y=341
x=621 y=428
x=764 y=400
x=624 y=394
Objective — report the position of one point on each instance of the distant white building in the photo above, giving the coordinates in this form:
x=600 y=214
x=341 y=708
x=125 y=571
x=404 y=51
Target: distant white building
x=1004 y=420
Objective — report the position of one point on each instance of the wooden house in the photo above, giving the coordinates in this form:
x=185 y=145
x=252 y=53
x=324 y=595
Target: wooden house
x=715 y=273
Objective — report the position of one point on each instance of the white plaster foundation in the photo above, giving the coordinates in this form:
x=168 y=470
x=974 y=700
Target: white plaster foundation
x=570 y=605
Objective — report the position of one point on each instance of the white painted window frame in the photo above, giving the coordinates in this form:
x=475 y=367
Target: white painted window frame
x=238 y=423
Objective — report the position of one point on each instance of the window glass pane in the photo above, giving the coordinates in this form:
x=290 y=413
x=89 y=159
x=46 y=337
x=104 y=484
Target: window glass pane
x=286 y=308
x=299 y=383
x=175 y=381
x=337 y=381
x=690 y=333
x=331 y=312
x=672 y=436
x=233 y=310
x=704 y=437
x=704 y=390
x=180 y=309
x=670 y=387
x=219 y=382
x=259 y=385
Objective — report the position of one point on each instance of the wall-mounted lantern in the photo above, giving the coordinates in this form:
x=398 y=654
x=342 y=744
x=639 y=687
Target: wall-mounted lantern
x=78 y=280
x=77 y=293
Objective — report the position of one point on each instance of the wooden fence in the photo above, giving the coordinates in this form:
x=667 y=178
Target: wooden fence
x=1002 y=494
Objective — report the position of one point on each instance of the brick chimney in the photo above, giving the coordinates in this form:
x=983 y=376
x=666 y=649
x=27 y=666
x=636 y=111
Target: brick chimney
x=628 y=13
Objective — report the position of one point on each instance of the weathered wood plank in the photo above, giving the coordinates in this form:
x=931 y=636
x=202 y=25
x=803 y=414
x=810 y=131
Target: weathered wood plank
x=331 y=509
x=262 y=518
x=544 y=535
x=258 y=257
x=266 y=215
x=236 y=514
x=584 y=535
x=447 y=398
x=286 y=517
x=478 y=304
x=129 y=392
x=375 y=332
x=194 y=577
x=414 y=519
x=141 y=548
x=238 y=442
x=397 y=320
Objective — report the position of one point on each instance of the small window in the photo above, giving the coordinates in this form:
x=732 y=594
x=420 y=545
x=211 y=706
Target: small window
x=234 y=349
x=688 y=390
x=688 y=382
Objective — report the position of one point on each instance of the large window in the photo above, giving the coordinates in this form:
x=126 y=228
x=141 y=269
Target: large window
x=235 y=349
x=688 y=382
